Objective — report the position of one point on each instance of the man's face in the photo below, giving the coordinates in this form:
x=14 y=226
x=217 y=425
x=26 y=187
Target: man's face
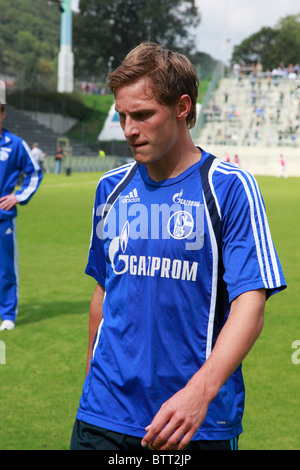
x=150 y=128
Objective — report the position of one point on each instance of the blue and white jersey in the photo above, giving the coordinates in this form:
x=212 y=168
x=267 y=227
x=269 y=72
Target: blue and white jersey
x=15 y=157
x=171 y=255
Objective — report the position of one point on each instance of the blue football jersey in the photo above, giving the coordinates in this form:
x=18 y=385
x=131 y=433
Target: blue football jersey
x=172 y=255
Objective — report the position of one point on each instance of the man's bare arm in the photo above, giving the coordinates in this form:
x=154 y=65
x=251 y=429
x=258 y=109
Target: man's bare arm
x=94 y=319
x=185 y=411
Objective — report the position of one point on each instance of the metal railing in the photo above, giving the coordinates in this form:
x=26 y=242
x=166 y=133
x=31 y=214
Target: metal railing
x=84 y=164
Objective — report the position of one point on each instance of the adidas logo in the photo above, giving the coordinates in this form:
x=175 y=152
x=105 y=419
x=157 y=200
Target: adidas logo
x=132 y=196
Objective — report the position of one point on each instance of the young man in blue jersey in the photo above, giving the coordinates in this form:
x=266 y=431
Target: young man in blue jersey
x=15 y=158
x=184 y=261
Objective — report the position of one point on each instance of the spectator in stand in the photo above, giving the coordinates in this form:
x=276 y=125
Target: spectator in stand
x=282 y=167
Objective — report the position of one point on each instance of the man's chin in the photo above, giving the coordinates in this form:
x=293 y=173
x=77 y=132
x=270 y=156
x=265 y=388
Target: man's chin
x=140 y=156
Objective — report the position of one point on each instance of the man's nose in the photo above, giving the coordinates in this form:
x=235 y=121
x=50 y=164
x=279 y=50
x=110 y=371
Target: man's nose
x=130 y=128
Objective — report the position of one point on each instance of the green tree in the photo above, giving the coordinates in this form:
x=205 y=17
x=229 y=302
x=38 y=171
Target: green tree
x=29 y=39
x=105 y=30
x=272 y=46
x=288 y=40
x=259 y=47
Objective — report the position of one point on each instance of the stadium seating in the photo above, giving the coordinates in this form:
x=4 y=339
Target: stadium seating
x=245 y=113
x=20 y=123
x=258 y=118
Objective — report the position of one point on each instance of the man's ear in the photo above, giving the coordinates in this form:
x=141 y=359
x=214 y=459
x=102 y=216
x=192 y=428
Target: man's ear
x=183 y=107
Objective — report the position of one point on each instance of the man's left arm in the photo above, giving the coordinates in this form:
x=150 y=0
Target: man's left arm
x=179 y=417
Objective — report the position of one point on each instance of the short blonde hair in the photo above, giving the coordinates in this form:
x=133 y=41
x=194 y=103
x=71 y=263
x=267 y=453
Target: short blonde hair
x=172 y=75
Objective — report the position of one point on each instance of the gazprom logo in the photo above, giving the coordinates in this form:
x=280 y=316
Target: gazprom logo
x=114 y=248
x=147 y=265
x=177 y=198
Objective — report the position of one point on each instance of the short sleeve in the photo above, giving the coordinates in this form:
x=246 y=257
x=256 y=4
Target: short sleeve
x=96 y=267
x=249 y=256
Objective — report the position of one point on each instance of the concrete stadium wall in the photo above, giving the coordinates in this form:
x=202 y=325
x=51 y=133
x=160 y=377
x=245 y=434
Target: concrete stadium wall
x=259 y=160
x=56 y=122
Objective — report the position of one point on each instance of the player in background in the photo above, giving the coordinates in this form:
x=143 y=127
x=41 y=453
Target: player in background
x=282 y=167
x=184 y=262
x=15 y=158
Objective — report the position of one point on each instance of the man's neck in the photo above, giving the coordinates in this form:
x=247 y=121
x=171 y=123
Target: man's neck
x=183 y=157
x=160 y=172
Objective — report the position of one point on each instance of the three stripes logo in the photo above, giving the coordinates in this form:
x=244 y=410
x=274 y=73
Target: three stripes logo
x=132 y=196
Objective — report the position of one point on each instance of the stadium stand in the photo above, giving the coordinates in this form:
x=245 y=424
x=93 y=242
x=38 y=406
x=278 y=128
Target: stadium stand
x=21 y=124
x=256 y=117
x=79 y=158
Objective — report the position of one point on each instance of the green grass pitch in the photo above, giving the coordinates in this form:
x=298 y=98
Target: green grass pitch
x=41 y=382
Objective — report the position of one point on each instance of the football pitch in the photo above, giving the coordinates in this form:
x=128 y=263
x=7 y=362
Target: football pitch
x=45 y=355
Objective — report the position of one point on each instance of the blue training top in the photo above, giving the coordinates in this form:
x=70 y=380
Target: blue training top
x=171 y=255
x=15 y=157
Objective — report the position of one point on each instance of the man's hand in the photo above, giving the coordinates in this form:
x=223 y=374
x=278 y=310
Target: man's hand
x=8 y=202
x=177 y=420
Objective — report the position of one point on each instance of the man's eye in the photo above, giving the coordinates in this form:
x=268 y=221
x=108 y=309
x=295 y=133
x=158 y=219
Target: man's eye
x=142 y=116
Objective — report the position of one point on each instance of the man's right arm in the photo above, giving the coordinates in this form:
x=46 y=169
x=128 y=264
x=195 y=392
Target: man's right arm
x=95 y=319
